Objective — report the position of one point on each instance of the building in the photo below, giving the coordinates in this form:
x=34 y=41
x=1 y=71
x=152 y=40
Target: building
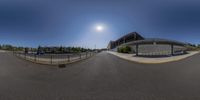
x=148 y=46
x=134 y=36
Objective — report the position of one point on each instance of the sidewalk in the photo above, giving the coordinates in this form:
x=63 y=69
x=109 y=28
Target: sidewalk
x=132 y=57
x=2 y=51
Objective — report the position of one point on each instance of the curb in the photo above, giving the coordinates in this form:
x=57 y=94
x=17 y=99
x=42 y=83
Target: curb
x=174 y=60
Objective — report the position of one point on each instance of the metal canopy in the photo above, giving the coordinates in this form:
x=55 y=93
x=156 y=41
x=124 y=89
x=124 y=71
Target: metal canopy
x=155 y=41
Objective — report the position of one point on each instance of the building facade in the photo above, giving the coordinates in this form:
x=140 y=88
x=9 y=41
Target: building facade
x=133 y=36
x=148 y=46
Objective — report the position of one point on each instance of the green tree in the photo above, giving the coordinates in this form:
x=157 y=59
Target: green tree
x=61 y=49
x=26 y=50
x=39 y=50
x=198 y=45
x=124 y=49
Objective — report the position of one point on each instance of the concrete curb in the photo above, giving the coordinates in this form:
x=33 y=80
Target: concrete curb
x=143 y=60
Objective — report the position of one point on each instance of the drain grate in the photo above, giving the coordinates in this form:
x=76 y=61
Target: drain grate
x=61 y=65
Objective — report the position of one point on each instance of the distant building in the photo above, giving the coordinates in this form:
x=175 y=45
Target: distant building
x=148 y=46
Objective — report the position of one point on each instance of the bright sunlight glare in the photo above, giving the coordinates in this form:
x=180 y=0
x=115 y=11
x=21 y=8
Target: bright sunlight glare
x=99 y=28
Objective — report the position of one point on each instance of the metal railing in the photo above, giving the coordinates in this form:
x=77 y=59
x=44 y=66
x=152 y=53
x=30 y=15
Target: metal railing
x=54 y=59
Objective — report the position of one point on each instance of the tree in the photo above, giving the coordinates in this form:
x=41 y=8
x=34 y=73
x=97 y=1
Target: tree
x=198 y=45
x=26 y=50
x=124 y=49
x=61 y=49
x=7 y=47
x=39 y=50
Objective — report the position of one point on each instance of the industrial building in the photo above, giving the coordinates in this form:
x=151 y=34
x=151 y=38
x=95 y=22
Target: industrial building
x=148 y=46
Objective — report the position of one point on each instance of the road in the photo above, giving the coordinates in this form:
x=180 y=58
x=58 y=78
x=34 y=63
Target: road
x=102 y=77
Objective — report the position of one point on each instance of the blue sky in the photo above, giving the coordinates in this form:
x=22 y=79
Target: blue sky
x=73 y=22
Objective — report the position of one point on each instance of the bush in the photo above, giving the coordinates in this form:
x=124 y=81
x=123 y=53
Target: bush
x=124 y=49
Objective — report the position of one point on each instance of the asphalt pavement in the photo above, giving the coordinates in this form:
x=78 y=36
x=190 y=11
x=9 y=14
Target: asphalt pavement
x=101 y=77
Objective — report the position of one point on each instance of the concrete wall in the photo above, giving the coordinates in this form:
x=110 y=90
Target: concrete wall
x=157 y=49
x=150 y=49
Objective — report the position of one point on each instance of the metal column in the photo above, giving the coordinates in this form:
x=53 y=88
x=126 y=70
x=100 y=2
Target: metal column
x=172 y=49
x=137 y=49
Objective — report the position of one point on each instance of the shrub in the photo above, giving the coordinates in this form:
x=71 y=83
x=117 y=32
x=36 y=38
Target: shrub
x=124 y=49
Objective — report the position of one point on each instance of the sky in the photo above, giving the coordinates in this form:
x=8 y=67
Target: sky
x=73 y=22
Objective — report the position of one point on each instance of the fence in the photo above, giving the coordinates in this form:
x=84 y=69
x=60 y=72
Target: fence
x=54 y=59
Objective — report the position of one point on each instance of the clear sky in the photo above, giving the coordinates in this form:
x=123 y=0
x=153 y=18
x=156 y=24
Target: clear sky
x=74 y=22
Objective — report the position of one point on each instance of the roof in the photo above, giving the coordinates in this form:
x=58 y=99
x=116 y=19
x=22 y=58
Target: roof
x=157 y=40
x=130 y=34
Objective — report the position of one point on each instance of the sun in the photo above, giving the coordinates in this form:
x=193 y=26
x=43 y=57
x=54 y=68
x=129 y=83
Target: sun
x=99 y=28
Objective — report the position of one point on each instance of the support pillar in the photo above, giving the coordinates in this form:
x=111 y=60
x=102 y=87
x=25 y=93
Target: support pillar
x=51 y=59
x=137 y=49
x=124 y=40
x=68 y=58
x=172 y=49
